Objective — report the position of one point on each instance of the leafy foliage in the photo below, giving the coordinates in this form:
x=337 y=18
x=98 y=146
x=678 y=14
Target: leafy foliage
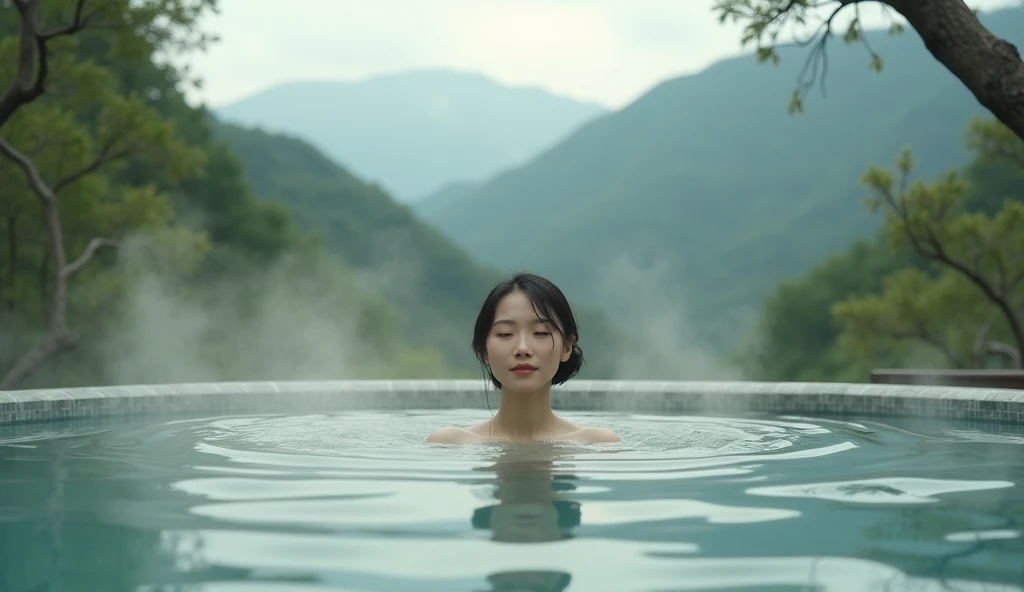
x=765 y=20
x=943 y=313
x=885 y=304
x=71 y=127
x=796 y=337
x=974 y=306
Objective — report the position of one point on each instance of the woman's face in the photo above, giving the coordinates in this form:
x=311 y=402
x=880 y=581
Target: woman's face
x=522 y=351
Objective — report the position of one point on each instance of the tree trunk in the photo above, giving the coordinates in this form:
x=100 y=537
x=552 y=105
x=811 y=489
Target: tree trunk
x=33 y=61
x=58 y=336
x=990 y=67
x=25 y=88
x=29 y=84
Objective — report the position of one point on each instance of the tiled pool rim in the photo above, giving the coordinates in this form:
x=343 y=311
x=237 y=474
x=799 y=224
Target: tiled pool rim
x=679 y=397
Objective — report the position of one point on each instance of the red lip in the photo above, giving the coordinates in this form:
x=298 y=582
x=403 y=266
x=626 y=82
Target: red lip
x=524 y=367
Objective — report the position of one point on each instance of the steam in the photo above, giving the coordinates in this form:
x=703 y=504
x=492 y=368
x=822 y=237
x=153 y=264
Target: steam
x=662 y=344
x=305 y=317
x=298 y=319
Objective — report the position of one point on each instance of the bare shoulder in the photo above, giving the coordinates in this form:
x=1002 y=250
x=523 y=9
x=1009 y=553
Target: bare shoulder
x=595 y=435
x=578 y=433
x=452 y=435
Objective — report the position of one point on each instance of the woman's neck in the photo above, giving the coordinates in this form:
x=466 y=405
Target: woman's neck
x=524 y=416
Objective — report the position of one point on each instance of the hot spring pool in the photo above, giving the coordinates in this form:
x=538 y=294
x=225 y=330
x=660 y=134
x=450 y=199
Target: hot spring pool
x=354 y=500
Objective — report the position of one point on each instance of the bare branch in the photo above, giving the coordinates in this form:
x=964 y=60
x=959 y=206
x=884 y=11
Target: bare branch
x=77 y=24
x=981 y=343
x=105 y=156
x=58 y=336
x=32 y=174
x=861 y=36
x=1005 y=349
x=54 y=343
x=818 y=54
x=95 y=244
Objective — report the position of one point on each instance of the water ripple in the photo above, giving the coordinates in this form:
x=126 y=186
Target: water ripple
x=359 y=501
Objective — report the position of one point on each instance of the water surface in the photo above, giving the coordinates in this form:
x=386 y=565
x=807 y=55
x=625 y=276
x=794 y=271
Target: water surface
x=358 y=502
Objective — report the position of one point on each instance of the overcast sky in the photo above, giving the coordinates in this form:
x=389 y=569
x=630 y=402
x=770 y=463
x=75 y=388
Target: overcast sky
x=609 y=51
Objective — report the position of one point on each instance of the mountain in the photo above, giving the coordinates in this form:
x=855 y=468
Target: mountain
x=441 y=198
x=706 y=192
x=415 y=132
x=434 y=285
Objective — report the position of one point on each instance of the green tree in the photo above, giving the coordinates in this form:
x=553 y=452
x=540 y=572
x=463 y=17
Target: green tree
x=971 y=309
x=990 y=67
x=796 y=337
x=65 y=125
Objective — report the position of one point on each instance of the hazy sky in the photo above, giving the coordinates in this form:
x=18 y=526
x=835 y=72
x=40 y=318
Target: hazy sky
x=609 y=51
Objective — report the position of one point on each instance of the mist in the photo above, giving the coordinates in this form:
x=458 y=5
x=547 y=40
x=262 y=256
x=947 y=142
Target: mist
x=300 y=318
x=309 y=318
x=659 y=341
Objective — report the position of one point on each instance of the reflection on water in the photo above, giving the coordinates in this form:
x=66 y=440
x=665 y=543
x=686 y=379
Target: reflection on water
x=531 y=507
x=531 y=504
x=359 y=502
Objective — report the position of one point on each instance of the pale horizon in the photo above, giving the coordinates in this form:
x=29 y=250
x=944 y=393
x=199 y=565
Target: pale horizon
x=608 y=52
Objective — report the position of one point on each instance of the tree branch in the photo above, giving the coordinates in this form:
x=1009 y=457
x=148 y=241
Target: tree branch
x=30 y=81
x=818 y=54
x=1005 y=349
x=930 y=247
x=54 y=343
x=35 y=179
x=990 y=67
x=998 y=298
x=981 y=341
x=33 y=58
x=58 y=336
x=77 y=24
x=75 y=266
x=101 y=159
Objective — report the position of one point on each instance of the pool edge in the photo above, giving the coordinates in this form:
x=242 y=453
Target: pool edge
x=807 y=398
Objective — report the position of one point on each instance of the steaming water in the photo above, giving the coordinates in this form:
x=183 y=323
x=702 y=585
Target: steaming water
x=357 y=502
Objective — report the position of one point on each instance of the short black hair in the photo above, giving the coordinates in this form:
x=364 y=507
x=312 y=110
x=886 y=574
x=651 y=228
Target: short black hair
x=549 y=303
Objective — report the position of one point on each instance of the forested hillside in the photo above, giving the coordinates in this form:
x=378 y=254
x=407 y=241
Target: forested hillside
x=432 y=284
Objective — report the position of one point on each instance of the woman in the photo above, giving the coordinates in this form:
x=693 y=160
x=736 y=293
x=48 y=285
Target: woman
x=526 y=338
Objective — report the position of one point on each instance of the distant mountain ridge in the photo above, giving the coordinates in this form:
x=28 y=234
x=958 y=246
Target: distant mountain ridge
x=706 y=185
x=414 y=133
